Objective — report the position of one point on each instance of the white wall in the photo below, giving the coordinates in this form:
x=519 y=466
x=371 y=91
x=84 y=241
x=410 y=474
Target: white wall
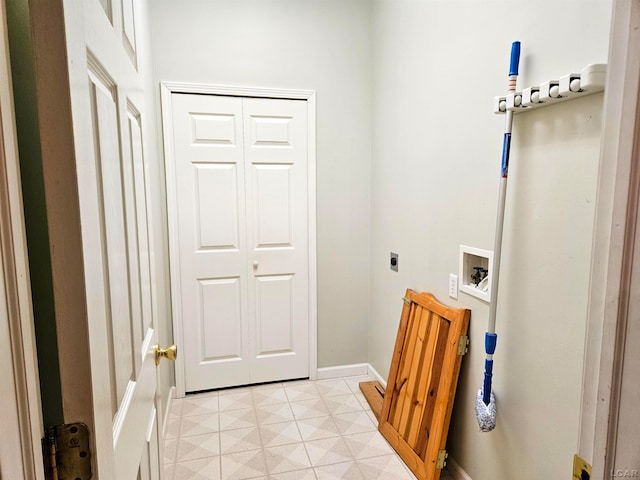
x=320 y=45
x=408 y=161
x=435 y=169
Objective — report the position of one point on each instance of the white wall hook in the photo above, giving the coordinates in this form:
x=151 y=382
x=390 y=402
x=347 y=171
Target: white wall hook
x=589 y=81
x=570 y=84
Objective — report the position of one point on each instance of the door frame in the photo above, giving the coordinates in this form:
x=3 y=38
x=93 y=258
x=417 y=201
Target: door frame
x=25 y=450
x=617 y=208
x=166 y=90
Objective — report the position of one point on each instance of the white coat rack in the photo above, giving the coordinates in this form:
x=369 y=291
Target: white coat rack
x=589 y=81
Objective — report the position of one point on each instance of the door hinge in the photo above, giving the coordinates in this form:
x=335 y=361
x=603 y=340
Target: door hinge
x=463 y=344
x=441 y=462
x=406 y=300
x=67 y=455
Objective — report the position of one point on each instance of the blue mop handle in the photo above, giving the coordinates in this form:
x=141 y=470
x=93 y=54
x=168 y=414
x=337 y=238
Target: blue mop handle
x=515 y=58
x=491 y=338
x=506 y=142
x=490 y=341
x=486 y=385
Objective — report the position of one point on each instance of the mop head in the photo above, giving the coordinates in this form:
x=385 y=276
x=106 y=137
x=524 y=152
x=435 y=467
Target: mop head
x=486 y=413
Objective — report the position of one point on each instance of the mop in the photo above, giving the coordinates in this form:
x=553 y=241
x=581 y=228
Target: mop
x=485 y=401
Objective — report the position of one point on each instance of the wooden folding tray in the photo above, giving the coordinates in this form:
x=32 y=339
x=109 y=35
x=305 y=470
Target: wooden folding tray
x=422 y=382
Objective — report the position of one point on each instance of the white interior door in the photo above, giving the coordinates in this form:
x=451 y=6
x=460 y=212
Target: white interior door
x=113 y=208
x=241 y=182
x=99 y=190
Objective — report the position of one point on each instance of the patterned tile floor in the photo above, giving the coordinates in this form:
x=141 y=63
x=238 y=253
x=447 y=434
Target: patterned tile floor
x=301 y=430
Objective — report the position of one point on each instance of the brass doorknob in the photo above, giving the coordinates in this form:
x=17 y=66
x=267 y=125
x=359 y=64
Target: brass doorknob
x=170 y=353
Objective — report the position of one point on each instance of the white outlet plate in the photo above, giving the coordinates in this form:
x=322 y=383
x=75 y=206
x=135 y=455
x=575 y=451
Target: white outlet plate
x=453 y=285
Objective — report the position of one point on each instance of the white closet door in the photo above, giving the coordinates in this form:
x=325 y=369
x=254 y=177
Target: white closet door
x=277 y=228
x=241 y=200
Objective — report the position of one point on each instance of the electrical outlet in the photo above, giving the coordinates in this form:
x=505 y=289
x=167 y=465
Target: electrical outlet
x=393 y=261
x=453 y=285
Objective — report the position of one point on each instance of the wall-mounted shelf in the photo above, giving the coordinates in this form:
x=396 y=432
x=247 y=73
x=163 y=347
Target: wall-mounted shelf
x=591 y=80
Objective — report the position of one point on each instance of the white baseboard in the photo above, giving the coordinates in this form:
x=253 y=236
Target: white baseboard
x=373 y=373
x=456 y=471
x=170 y=397
x=342 y=371
x=349 y=371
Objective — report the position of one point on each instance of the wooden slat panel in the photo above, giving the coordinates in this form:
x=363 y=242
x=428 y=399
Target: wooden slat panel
x=423 y=400
x=389 y=409
x=444 y=401
x=411 y=363
x=432 y=383
x=407 y=424
x=424 y=332
x=422 y=381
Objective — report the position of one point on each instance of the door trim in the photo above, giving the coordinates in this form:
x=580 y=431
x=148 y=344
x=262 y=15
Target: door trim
x=166 y=90
x=14 y=265
x=614 y=234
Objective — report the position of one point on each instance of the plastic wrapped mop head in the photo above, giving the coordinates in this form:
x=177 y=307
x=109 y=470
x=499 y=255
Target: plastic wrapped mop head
x=486 y=413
